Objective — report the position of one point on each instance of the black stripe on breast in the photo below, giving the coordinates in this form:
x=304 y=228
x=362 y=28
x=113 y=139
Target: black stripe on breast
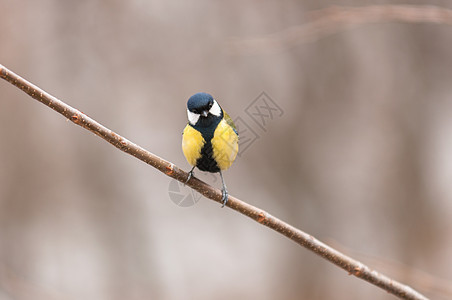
x=207 y=126
x=206 y=162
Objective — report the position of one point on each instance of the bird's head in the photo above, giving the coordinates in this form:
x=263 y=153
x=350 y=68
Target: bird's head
x=202 y=107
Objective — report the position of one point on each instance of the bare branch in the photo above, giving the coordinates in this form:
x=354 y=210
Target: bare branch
x=334 y=19
x=350 y=265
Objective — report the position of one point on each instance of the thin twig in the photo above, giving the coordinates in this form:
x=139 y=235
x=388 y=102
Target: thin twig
x=324 y=22
x=350 y=265
x=435 y=285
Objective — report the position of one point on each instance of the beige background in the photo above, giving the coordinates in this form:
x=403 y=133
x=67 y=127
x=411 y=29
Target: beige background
x=361 y=157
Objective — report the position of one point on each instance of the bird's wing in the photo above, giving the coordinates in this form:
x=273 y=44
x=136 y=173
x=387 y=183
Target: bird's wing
x=228 y=120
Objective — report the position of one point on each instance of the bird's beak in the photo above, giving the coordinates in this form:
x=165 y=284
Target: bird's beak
x=204 y=113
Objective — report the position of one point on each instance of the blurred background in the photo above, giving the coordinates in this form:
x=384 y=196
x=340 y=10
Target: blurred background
x=357 y=153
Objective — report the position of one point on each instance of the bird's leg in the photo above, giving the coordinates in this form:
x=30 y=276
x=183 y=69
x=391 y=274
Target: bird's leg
x=190 y=174
x=224 y=192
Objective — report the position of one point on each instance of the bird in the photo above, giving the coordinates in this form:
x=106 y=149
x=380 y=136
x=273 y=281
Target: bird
x=210 y=139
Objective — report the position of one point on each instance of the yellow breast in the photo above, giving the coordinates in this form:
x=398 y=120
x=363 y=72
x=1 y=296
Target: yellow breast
x=192 y=143
x=225 y=145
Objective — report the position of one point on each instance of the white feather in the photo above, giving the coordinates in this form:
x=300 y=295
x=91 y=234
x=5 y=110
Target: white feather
x=215 y=109
x=192 y=117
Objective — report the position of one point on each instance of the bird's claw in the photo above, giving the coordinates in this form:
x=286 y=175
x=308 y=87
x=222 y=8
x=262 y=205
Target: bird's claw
x=190 y=175
x=225 y=197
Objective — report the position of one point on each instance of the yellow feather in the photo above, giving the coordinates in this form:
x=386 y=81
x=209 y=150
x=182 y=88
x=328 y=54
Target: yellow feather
x=192 y=142
x=225 y=145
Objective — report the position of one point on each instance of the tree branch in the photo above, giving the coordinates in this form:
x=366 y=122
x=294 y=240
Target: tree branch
x=334 y=19
x=350 y=265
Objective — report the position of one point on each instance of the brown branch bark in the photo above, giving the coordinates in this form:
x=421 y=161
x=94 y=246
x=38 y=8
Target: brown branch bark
x=352 y=266
x=324 y=22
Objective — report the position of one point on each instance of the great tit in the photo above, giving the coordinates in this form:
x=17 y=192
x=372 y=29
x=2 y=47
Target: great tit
x=210 y=139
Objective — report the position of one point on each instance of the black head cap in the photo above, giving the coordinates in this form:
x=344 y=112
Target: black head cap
x=200 y=102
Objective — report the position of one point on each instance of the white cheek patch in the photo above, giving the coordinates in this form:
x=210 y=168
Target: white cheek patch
x=215 y=109
x=192 y=117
